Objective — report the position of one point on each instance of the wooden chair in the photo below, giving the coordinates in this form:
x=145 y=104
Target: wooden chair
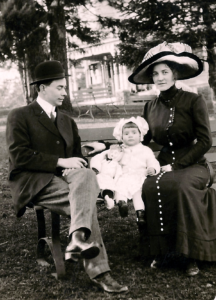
x=53 y=242
x=94 y=97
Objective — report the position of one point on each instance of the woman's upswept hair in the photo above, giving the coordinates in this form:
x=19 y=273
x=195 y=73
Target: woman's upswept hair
x=174 y=67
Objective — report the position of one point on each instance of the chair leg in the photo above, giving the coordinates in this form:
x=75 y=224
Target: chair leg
x=53 y=243
x=77 y=105
x=107 y=108
x=113 y=103
x=56 y=245
x=125 y=108
x=99 y=108
x=41 y=231
x=88 y=112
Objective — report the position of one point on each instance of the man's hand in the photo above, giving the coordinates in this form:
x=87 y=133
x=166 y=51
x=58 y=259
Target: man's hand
x=65 y=172
x=96 y=146
x=71 y=163
x=150 y=172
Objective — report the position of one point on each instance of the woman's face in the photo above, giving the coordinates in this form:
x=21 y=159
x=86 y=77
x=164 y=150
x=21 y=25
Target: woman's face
x=163 y=77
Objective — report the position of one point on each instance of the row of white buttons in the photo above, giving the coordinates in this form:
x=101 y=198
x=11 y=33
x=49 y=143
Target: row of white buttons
x=161 y=174
x=159 y=200
x=171 y=144
x=171 y=121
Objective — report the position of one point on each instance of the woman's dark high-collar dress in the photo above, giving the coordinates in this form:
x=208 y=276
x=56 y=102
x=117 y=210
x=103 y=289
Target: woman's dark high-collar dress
x=179 y=121
x=180 y=209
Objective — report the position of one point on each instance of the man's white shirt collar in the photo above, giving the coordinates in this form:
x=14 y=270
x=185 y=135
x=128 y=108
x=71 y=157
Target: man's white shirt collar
x=47 y=107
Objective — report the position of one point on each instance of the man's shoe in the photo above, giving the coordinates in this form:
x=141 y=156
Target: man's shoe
x=108 y=284
x=79 y=248
x=123 y=208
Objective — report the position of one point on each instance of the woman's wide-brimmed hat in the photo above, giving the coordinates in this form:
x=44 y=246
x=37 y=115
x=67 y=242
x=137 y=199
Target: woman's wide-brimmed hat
x=48 y=70
x=188 y=64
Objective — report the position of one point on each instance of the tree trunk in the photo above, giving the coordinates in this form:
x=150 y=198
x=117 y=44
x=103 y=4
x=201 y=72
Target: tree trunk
x=20 y=69
x=58 y=47
x=33 y=59
x=211 y=59
x=210 y=45
x=26 y=81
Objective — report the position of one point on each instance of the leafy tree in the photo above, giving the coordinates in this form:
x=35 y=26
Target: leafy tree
x=33 y=31
x=22 y=37
x=63 y=19
x=145 y=23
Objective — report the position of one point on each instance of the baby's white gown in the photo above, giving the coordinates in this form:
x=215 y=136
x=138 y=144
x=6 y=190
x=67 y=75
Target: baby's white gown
x=109 y=168
x=135 y=162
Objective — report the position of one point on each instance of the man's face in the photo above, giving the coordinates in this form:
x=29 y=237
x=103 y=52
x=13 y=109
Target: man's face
x=55 y=92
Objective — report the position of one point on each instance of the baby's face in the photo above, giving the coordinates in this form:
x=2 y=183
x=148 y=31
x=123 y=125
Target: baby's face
x=131 y=136
x=115 y=154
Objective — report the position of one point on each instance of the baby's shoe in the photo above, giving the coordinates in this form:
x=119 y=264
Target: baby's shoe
x=141 y=217
x=123 y=208
x=109 y=202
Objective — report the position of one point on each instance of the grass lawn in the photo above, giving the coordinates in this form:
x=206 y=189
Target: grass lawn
x=22 y=278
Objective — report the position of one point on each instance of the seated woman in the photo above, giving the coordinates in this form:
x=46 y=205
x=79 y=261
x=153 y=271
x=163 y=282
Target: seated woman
x=180 y=208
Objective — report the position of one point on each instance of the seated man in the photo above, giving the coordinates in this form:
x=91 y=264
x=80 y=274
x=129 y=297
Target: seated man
x=42 y=142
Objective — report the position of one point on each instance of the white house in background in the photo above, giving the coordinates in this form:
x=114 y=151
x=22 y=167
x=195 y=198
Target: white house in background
x=97 y=68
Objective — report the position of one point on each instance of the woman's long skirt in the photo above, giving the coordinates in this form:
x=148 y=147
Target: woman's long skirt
x=181 y=213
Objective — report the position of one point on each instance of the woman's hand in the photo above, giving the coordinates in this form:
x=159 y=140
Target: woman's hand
x=96 y=146
x=166 y=168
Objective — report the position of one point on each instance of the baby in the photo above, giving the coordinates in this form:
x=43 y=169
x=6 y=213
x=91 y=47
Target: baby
x=137 y=162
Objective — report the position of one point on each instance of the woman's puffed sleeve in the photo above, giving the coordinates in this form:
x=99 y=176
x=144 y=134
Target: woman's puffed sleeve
x=202 y=132
x=152 y=162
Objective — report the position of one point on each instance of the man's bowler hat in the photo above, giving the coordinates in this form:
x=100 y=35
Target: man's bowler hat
x=48 y=70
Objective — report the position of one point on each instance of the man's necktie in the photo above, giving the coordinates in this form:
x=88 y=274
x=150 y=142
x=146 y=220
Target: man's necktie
x=53 y=115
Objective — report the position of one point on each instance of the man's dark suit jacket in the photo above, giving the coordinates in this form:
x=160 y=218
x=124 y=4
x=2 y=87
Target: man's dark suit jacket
x=35 y=144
